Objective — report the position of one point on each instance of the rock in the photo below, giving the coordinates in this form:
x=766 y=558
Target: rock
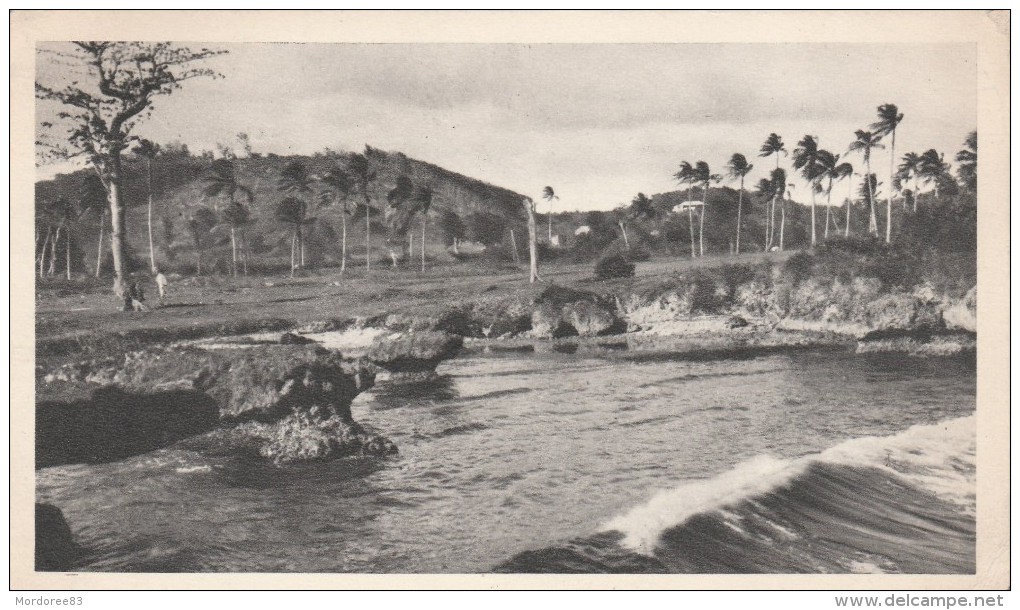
x=736 y=322
x=591 y=319
x=300 y=437
x=547 y=322
x=904 y=312
x=294 y=339
x=414 y=352
x=962 y=315
x=55 y=548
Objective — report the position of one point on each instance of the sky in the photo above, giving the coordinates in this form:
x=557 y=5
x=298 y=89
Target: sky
x=597 y=122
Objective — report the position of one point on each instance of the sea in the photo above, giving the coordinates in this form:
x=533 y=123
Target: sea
x=540 y=459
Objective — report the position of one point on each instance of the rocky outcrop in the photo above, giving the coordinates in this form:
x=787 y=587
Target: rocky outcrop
x=414 y=352
x=55 y=548
x=301 y=437
x=154 y=398
x=561 y=312
x=962 y=314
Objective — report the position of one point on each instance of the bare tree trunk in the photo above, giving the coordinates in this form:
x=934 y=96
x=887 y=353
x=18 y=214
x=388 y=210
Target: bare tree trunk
x=343 y=243
x=623 y=229
x=529 y=207
x=118 y=243
x=782 y=225
x=915 y=193
x=53 y=253
x=410 y=245
x=690 y=225
x=828 y=208
x=849 y=203
x=99 y=256
x=424 y=220
x=888 y=201
x=872 y=220
x=42 y=253
x=701 y=221
x=368 y=236
x=152 y=250
x=513 y=246
x=293 y=251
x=244 y=251
x=814 y=237
x=68 y=251
x=550 y=223
x=233 y=253
x=740 y=210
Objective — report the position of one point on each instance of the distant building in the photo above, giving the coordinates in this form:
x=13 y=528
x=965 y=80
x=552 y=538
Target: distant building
x=582 y=230
x=688 y=205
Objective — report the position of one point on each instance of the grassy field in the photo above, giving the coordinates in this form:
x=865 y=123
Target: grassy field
x=207 y=305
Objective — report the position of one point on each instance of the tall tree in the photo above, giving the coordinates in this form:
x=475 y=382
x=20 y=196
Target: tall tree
x=703 y=175
x=805 y=158
x=686 y=176
x=911 y=167
x=336 y=187
x=966 y=160
x=934 y=169
x=110 y=90
x=865 y=142
x=293 y=211
x=201 y=222
x=773 y=145
x=361 y=171
x=738 y=169
x=296 y=181
x=529 y=209
x=831 y=169
x=221 y=181
x=148 y=150
x=778 y=177
x=889 y=118
x=422 y=200
x=549 y=195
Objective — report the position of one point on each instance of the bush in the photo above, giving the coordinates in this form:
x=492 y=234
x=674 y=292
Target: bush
x=613 y=265
x=638 y=254
x=798 y=267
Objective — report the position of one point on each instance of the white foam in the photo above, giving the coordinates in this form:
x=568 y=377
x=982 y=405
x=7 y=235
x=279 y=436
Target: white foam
x=938 y=457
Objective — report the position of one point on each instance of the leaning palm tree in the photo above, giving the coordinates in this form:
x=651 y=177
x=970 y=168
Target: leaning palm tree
x=967 y=162
x=889 y=118
x=773 y=146
x=846 y=170
x=549 y=195
x=934 y=168
x=827 y=164
x=296 y=181
x=363 y=175
x=422 y=200
x=703 y=175
x=738 y=168
x=864 y=143
x=221 y=181
x=336 y=186
x=148 y=150
x=910 y=169
x=686 y=176
x=805 y=158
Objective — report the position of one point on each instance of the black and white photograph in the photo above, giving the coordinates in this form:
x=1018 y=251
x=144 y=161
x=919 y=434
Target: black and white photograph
x=514 y=305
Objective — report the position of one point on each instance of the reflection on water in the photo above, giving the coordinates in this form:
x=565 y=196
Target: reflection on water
x=503 y=452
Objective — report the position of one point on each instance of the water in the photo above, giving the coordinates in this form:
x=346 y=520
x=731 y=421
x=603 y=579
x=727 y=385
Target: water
x=521 y=461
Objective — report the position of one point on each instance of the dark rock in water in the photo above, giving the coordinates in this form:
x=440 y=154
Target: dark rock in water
x=414 y=352
x=562 y=312
x=458 y=322
x=113 y=424
x=301 y=437
x=736 y=322
x=294 y=339
x=55 y=548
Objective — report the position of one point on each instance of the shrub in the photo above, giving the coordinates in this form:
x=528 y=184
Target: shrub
x=798 y=267
x=613 y=265
x=637 y=254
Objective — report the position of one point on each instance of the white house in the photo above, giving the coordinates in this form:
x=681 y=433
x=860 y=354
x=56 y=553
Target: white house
x=684 y=206
x=582 y=230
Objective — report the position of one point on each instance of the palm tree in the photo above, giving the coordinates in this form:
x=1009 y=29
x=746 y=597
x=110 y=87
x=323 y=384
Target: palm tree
x=293 y=211
x=805 y=158
x=221 y=181
x=773 y=146
x=967 y=162
x=686 y=176
x=827 y=164
x=422 y=200
x=889 y=117
x=703 y=175
x=361 y=171
x=529 y=209
x=738 y=168
x=336 y=188
x=866 y=141
x=549 y=194
x=148 y=150
x=846 y=170
x=934 y=168
x=910 y=169
x=779 y=197
x=297 y=181
x=200 y=222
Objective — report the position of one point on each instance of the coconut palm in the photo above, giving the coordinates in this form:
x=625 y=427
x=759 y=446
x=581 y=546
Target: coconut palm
x=967 y=162
x=148 y=151
x=827 y=164
x=363 y=175
x=221 y=181
x=778 y=189
x=934 y=169
x=686 y=176
x=296 y=181
x=865 y=142
x=910 y=169
x=200 y=222
x=293 y=211
x=846 y=170
x=549 y=195
x=703 y=175
x=738 y=168
x=805 y=158
x=422 y=200
x=335 y=191
x=889 y=118
x=773 y=146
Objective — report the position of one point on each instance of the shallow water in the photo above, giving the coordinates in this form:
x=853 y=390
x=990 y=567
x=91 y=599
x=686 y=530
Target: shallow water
x=577 y=462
